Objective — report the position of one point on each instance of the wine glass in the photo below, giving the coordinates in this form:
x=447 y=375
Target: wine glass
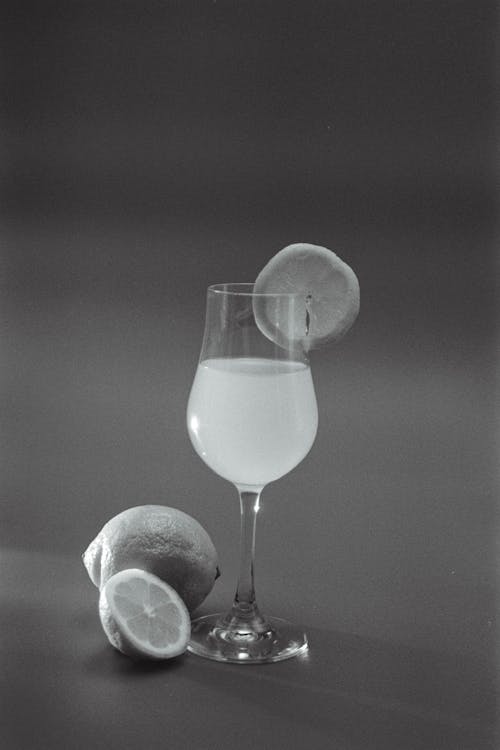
x=252 y=417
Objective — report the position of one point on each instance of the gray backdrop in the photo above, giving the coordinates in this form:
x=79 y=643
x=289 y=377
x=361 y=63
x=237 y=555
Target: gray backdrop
x=153 y=148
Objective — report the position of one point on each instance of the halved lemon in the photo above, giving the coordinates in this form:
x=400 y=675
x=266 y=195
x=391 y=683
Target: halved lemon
x=327 y=301
x=143 y=616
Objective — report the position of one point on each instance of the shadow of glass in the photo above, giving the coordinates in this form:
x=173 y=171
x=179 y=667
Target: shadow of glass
x=369 y=694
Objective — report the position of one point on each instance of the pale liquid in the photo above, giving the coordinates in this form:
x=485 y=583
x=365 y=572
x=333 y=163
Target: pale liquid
x=252 y=420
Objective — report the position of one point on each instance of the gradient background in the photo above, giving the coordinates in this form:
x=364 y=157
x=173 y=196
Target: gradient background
x=150 y=149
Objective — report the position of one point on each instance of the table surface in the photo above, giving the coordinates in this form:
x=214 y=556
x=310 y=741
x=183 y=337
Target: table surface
x=64 y=686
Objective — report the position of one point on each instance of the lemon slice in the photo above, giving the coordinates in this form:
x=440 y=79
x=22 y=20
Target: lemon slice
x=328 y=301
x=143 y=616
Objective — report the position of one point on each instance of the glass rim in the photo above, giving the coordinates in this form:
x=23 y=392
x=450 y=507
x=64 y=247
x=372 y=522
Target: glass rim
x=246 y=289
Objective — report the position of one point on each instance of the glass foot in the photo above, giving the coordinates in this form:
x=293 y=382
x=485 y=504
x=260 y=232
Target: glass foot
x=215 y=638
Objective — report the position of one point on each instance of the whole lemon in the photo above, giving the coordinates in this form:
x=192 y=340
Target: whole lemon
x=160 y=540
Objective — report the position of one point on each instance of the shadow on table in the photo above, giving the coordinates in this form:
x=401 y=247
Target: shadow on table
x=370 y=694
x=106 y=661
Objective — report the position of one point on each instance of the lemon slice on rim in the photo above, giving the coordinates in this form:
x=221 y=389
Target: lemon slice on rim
x=143 y=616
x=328 y=301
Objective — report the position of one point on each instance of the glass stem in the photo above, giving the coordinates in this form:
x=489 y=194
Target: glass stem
x=244 y=612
